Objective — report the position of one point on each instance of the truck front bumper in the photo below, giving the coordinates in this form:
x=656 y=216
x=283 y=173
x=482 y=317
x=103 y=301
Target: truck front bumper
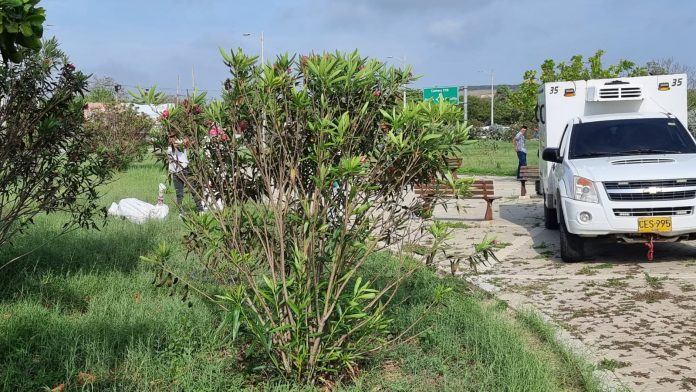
x=604 y=222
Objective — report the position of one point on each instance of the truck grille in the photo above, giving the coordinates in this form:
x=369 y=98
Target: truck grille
x=661 y=211
x=647 y=184
x=681 y=189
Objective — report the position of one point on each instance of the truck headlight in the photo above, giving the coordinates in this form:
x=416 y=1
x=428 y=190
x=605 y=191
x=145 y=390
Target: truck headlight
x=585 y=190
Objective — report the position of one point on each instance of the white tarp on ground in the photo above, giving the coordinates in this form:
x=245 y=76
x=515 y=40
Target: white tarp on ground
x=138 y=211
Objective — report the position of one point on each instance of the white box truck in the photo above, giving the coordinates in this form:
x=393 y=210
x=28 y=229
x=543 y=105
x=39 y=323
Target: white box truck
x=617 y=160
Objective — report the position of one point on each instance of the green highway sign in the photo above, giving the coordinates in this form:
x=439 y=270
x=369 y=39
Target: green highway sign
x=450 y=94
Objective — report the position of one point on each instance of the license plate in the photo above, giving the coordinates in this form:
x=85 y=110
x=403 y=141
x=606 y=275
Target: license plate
x=655 y=224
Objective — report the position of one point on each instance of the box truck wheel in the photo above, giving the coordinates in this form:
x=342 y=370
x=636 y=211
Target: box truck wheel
x=550 y=218
x=572 y=246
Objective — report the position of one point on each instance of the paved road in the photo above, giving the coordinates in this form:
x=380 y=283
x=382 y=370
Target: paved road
x=637 y=317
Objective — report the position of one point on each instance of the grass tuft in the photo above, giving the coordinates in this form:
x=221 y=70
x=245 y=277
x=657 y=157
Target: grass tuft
x=577 y=372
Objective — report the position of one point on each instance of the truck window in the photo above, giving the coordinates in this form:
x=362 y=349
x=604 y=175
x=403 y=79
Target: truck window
x=630 y=137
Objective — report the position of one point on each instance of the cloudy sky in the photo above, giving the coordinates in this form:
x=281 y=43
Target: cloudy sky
x=448 y=42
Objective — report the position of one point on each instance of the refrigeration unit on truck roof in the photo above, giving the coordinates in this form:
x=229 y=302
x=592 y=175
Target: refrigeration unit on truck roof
x=558 y=102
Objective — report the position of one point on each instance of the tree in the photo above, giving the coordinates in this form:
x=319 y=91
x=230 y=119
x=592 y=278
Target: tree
x=105 y=90
x=525 y=98
x=47 y=160
x=311 y=158
x=21 y=26
x=479 y=111
x=119 y=133
x=505 y=111
x=667 y=66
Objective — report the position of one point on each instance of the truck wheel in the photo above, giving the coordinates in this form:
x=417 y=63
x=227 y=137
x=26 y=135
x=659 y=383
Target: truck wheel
x=550 y=218
x=572 y=246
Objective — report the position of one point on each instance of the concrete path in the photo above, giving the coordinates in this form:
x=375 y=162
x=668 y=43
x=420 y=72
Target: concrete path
x=638 y=318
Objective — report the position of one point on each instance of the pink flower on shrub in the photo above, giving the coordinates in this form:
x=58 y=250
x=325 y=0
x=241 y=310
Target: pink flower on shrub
x=214 y=131
x=376 y=93
x=70 y=67
x=165 y=114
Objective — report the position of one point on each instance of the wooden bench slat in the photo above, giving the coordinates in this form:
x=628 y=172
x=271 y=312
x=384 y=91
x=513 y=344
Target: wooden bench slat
x=479 y=189
x=527 y=173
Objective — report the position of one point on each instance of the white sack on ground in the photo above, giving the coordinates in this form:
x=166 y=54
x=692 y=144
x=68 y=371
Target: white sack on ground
x=138 y=211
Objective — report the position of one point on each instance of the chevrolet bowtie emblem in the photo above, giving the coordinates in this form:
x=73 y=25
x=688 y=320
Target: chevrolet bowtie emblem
x=652 y=190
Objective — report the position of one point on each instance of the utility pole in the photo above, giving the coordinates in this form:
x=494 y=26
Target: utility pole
x=178 y=82
x=466 y=103
x=492 y=96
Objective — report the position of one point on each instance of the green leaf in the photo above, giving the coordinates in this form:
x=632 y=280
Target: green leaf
x=269 y=283
x=357 y=286
x=32 y=42
x=431 y=136
x=36 y=19
x=293 y=307
x=235 y=323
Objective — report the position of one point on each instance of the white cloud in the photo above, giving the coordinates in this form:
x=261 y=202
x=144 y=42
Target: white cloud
x=447 y=29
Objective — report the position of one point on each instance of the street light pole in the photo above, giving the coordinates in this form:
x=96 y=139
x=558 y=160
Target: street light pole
x=262 y=48
x=403 y=60
x=249 y=35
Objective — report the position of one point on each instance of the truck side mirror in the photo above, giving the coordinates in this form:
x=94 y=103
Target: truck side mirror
x=552 y=155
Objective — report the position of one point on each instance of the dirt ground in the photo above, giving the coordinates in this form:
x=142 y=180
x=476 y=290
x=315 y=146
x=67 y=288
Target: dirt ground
x=637 y=318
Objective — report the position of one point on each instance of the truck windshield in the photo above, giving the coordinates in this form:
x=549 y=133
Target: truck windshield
x=630 y=137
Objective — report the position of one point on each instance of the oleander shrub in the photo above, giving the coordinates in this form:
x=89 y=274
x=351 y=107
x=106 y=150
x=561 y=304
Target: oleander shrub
x=312 y=158
x=48 y=162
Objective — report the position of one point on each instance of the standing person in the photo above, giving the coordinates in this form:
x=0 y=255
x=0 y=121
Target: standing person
x=178 y=168
x=518 y=143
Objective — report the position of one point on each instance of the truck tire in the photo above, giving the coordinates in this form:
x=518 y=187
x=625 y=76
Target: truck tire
x=550 y=218
x=572 y=246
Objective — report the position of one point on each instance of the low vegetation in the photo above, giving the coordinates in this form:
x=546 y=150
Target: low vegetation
x=82 y=313
x=495 y=157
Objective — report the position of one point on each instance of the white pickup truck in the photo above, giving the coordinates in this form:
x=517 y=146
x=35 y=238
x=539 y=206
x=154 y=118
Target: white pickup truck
x=617 y=160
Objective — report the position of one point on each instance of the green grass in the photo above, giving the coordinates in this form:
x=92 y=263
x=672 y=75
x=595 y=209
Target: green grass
x=612 y=364
x=469 y=343
x=573 y=370
x=495 y=157
x=84 y=304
